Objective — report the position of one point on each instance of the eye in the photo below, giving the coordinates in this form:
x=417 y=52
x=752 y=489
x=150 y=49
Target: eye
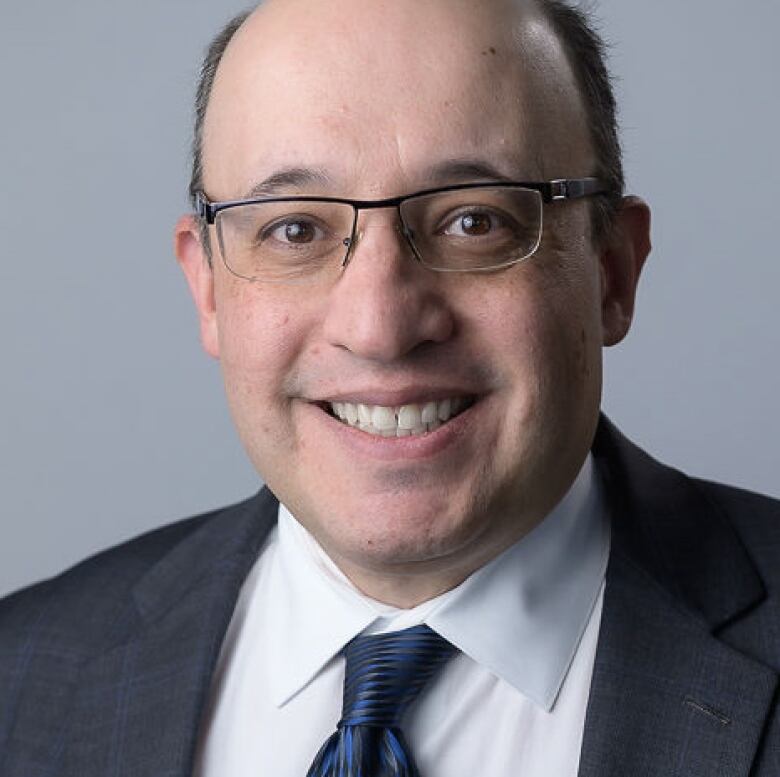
x=472 y=223
x=293 y=230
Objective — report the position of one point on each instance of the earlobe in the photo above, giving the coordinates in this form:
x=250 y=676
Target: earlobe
x=622 y=259
x=197 y=270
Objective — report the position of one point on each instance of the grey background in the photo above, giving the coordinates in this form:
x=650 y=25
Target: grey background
x=113 y=422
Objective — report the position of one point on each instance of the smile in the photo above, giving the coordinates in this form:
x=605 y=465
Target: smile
x=401 y=421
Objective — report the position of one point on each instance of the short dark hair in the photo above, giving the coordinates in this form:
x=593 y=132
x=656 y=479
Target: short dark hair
x=586 y=53
x=208 y=72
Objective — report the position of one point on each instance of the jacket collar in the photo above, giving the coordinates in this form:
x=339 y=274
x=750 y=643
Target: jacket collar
x=667 y=526
x=225 y=547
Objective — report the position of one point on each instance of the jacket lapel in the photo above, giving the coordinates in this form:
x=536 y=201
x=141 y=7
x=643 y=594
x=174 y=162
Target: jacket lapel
x=667 y=697
x=138 y=706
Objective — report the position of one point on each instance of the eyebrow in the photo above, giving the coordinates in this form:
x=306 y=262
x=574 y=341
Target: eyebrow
x=289 y=178
x=449 y=171
x=464 y=169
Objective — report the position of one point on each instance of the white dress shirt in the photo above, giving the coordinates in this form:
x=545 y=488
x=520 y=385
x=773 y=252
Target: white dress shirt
x=511 y=702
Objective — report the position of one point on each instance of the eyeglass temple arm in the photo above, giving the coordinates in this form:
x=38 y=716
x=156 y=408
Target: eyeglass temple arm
x=203 y=208
x=573 y=188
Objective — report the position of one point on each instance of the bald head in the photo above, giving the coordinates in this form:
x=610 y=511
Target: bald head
x=364 y=80
x=546 y=30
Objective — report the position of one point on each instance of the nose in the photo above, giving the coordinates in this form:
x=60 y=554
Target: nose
x=385 y=303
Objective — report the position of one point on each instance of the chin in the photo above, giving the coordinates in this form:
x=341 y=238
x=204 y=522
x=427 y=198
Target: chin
x=401 y=531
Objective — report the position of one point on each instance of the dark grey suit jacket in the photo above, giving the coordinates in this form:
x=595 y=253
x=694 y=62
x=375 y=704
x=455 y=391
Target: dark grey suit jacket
x=104 y=671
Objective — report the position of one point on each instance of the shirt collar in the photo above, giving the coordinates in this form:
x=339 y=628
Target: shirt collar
x=521 y=616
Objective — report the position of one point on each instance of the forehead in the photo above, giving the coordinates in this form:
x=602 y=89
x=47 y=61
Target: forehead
x=376 y=93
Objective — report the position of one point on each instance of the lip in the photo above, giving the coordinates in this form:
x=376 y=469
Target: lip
x=388 y=449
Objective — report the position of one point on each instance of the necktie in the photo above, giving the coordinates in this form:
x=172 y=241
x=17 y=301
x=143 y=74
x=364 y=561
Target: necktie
x=384 y=675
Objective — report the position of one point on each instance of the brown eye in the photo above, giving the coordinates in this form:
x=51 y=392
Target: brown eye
x=292 y=231
x=473 y=223
x=299 y=232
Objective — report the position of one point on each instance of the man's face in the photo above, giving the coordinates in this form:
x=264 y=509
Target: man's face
x=383 y=99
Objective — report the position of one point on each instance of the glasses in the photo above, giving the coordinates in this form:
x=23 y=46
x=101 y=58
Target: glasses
x=472 y=227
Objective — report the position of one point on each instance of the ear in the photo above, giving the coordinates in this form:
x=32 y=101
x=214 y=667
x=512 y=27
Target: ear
x=195 y=265
x=622 y=258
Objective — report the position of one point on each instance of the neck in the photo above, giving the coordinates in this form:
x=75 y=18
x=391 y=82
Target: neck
x=406 y=585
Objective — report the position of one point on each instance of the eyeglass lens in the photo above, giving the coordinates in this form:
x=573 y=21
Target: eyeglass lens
x=307 y=241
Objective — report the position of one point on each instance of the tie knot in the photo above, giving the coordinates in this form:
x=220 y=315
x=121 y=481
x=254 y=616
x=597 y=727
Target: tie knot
x=386 y=672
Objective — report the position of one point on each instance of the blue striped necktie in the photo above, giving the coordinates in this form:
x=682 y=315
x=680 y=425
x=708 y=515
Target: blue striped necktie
x=384 y=675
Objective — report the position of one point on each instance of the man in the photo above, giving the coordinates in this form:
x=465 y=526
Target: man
x=410 y=245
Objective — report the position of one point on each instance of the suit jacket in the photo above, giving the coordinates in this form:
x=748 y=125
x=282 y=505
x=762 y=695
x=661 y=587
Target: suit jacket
x=105 y=670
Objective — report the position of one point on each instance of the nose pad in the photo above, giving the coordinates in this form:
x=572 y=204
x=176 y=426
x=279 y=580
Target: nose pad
x=351 y=243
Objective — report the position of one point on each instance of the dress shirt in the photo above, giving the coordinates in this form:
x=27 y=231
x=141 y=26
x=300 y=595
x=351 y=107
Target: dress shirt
x=512 y=701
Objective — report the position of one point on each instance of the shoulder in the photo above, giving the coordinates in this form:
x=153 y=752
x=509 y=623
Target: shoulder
x=753 y=509
x=88 y=604
x=755 y=518
x=671 y=506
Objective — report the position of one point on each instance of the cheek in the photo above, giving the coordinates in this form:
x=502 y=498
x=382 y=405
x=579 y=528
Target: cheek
x=259 y=338
x=546 y=328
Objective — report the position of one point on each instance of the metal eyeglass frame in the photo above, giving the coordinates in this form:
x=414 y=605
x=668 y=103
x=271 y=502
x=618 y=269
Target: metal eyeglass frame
x=557 y=190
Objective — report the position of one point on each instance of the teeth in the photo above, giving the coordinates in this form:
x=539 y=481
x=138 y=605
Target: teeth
x=403 y=421
x=409 y=417
x=384 y=418
x=430 y=413
x=351 y=412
